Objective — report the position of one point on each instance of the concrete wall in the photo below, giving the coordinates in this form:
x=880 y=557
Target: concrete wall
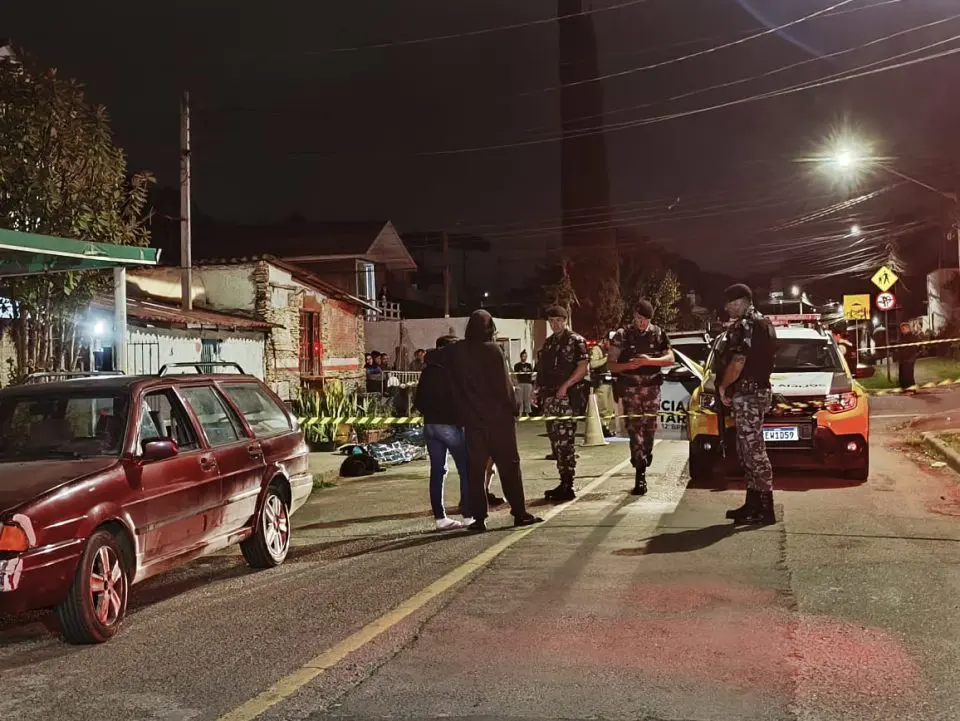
x=151 y=348
x=399 y=339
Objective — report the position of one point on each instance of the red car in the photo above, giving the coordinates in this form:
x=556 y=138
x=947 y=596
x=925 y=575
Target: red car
x=105 y=482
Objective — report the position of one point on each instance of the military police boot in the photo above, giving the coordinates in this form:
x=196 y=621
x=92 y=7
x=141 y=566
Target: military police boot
x=762 y=513
x=640 y=484
x=736 y=514
x=562 y=493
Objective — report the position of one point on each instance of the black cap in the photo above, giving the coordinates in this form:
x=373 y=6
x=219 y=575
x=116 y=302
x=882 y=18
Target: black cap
x=643 y=307
x=556 y=311
x=736 y=292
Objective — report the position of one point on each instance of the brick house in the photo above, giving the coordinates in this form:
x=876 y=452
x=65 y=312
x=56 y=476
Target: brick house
x=317 y=329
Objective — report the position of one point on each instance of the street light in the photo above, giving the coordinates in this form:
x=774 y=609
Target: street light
x=795 y=291
x=855 y=231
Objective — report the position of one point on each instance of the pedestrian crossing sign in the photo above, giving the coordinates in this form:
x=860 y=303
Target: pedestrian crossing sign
x=884 y=279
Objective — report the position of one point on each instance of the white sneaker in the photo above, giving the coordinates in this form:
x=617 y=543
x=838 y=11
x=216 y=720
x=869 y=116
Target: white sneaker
x=466 y=521
x=448 y=524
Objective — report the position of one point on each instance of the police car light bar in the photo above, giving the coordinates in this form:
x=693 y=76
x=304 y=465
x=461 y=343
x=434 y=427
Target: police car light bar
x=794 y=318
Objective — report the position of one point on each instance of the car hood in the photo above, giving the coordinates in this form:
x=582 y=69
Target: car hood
x=22 y=481
x=802 y=383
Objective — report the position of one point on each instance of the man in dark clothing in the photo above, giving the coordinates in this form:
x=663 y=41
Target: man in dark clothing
x=745 y=386
x=906 y=357
x=487 y=408
x=524 y=379
x=442 y=433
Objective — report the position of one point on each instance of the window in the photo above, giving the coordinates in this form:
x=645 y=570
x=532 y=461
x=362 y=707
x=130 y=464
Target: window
x=162 y=416
x=796 y=354
x=263 y=414
x=311 y=343
x=219 y=424
x=66 y=426
x=366 y=280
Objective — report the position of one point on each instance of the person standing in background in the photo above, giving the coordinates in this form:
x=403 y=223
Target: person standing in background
x=418 y=360
x=907 y=359
x=601 y=381
x=524 y=379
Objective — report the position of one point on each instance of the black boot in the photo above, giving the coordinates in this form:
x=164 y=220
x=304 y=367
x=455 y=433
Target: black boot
x=640 y=484
x=562 y=493
x=736 y=514
x=762 y=513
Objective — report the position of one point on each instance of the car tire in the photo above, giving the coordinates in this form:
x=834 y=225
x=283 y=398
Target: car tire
x=863 y=473
x=96 y=603
x=270 y=543
x=703 y=464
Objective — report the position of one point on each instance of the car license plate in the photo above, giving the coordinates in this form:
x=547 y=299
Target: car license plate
x=781 y=433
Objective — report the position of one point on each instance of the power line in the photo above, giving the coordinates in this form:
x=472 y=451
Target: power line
x=479 y=32
x=813 y=85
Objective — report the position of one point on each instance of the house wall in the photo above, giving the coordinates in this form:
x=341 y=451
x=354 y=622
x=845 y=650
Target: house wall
x=151 y=348
x=399 y=339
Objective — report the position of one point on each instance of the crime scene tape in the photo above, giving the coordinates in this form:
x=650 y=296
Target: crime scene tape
x=916 y=343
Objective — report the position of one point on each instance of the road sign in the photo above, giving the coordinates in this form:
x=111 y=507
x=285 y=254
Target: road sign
x=886 y=301
x=856 y=307
x=884 y=279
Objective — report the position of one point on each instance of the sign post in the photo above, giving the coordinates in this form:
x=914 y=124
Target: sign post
x=885 y=279
x=856 y=308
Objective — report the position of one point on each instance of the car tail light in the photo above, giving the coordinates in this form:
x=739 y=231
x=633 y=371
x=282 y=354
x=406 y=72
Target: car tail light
x=840 y=403
x=13 y=538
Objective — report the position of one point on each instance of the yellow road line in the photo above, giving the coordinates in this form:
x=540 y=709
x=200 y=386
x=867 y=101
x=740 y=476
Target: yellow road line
x=289 y=685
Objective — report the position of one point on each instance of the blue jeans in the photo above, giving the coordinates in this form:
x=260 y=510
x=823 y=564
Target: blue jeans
x=440 y=439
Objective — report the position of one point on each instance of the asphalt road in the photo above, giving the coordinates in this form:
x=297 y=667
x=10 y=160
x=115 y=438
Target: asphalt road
x=616 y=607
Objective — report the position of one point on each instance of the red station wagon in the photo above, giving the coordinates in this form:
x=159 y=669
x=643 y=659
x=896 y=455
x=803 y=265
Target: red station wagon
x=105 y=482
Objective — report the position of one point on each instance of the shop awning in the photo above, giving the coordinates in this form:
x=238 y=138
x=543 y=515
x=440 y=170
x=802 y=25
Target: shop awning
x=30 y=254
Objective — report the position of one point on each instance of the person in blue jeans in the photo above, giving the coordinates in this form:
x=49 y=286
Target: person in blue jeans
x=434 y=399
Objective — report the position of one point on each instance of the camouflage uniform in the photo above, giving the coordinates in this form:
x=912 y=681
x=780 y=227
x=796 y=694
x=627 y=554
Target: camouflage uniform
x=561 y=354
x=752 y=398
x=640 y=391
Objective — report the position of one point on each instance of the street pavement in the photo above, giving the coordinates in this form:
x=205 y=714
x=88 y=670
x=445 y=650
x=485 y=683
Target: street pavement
x=616 y=607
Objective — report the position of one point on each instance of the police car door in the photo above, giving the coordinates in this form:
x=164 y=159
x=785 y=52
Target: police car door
x=679 y=382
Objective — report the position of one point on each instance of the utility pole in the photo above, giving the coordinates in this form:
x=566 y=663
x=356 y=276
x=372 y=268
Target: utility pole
x=446 y=275
x=186 y=254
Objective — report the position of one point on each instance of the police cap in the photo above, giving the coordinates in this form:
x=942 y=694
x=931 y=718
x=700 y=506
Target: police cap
x=736 y=292
x=556 y=311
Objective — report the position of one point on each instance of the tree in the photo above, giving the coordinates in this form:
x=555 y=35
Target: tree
x=558 y=286
x=60 y=174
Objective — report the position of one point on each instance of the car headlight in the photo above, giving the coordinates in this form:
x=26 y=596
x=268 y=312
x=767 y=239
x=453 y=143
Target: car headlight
x=840 y=403
x=708 y=401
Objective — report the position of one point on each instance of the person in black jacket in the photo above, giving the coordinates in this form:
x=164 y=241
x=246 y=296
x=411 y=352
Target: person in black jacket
x=434 y=399
x=487 y=408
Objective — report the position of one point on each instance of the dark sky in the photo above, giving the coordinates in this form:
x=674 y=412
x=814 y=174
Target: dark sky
x=284 y=124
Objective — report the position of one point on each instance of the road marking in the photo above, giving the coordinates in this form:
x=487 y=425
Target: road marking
x=289 y=685
x=897 y=415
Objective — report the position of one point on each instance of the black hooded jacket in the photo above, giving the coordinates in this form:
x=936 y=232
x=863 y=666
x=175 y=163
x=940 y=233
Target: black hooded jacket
x=434 y=398
x=481 y=379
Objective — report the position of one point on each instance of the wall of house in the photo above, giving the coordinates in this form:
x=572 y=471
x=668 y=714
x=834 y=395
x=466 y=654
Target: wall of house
x=151 y=348
x=343 y=342
x=399 y=339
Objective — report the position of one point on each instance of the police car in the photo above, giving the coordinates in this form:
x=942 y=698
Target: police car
x=820 y=416
x=691 y=349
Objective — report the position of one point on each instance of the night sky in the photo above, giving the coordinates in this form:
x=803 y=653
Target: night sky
x=288 y=121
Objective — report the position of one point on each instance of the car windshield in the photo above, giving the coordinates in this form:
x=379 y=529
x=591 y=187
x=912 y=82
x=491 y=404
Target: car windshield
x=805 y=354
x=696 y=350
x=44 y=426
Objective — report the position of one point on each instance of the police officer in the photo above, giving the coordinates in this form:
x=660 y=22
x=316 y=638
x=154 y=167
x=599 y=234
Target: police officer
x=562 y=392
x=745 y=387
x=637 y=353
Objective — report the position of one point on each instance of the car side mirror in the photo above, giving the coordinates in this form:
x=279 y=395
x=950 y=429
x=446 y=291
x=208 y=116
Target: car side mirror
x=159 y=449
x=864 y=372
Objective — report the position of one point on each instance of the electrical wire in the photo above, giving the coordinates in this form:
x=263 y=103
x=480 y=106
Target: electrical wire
x=812 y=85
x=479 y=32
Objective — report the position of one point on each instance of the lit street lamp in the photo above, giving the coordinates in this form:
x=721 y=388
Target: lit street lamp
x=855 y=231
x=848 y=159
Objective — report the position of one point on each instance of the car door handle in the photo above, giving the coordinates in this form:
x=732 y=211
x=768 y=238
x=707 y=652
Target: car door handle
x=208 y=463
x=255 y=451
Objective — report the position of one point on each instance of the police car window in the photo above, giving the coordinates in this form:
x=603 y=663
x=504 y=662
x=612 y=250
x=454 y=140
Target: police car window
x=803 y=354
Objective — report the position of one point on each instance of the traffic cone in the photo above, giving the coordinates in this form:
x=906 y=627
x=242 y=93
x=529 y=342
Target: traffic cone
x=594 y=433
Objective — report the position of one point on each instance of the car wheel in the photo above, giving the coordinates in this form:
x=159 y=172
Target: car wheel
x=862 y=473
x=97 y=601
x=703 y=464
x=268 y=546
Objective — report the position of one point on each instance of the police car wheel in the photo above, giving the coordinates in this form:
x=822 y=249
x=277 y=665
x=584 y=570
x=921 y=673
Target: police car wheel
x=703 y=464
x=862 y=473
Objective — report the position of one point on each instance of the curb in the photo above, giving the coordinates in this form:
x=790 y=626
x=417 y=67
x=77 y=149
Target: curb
x=951 y=456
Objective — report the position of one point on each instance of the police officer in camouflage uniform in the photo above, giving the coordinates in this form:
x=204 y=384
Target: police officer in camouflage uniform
x=562 y=391
x=637 y=353
x=745 y=386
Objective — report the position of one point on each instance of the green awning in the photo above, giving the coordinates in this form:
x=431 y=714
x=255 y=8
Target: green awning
x=30 y=254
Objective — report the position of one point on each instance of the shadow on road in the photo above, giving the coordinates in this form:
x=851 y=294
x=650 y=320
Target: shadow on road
x=790 y=481
x=691 y=539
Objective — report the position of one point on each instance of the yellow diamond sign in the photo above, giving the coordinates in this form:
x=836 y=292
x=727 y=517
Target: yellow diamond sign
x=884 y=279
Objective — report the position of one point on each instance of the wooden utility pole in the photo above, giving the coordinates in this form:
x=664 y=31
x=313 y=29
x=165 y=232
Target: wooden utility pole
x=446 y=275
x=186 y=253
